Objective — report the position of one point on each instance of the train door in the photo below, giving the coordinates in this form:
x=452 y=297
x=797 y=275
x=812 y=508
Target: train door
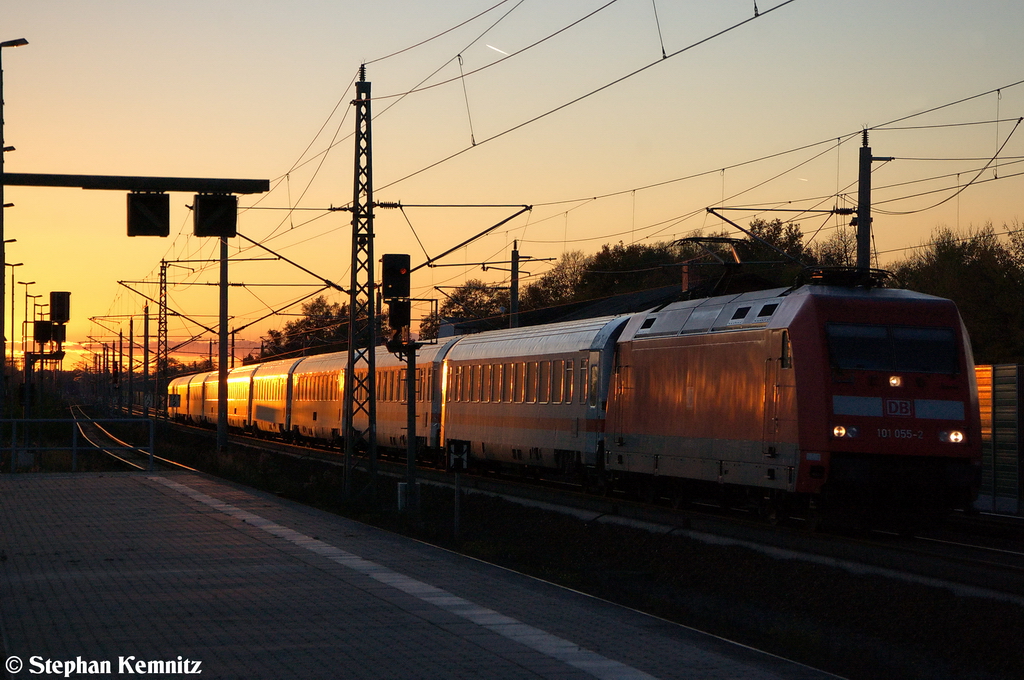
x=771 y=399
x=779 y=390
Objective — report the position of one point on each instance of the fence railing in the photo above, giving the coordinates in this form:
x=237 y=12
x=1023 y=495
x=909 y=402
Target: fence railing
x=26 y=441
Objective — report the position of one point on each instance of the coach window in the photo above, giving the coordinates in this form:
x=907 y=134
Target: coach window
x=592 y=387
x=557 y=371
x=531 y=382
x=583 y=381
x=544 y=382
x=569 y=375
x=506 y=383
x=488 y=373
x=518 y=382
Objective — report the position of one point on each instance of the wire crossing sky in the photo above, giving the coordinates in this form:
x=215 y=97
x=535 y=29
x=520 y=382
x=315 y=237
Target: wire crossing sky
x=618 y=120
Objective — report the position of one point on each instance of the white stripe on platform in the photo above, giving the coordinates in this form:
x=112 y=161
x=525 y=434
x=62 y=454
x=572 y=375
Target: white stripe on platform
x=534 y=638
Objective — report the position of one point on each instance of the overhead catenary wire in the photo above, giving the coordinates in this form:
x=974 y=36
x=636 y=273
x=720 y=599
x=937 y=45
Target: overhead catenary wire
x=421 y=88
x=582 y=97
x=441 y=34
x=971 y=182
x=877 y=127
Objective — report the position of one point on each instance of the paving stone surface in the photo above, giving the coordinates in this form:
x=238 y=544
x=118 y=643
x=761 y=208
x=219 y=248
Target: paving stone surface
x=168 y=568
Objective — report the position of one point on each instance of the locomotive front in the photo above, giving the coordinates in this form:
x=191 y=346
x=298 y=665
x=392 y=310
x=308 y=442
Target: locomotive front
x=888 y=411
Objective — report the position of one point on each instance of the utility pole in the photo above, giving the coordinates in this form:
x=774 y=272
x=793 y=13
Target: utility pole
x=222 y=366
x=161 y=337
x=411 y=443
x=361 y=391
x=864 y=207
x=513 y=312
x=396 y=291
x=145 y=361
x=120 y=367
x=131 y=366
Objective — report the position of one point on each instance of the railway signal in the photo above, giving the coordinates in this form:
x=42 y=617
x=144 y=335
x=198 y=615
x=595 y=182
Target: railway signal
x=395 y=278
x=149 y=214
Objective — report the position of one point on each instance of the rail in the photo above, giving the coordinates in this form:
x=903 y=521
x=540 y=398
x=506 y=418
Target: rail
x=22 y=450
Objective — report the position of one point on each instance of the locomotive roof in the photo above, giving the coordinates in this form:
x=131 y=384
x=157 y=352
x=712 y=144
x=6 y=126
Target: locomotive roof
x=756 y=309
x=566 y=337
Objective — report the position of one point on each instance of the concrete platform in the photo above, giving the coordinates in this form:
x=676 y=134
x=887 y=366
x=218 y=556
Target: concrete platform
x=125 y=574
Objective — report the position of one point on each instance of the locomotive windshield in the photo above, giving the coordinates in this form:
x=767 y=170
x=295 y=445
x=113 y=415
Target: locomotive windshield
x=892 y=348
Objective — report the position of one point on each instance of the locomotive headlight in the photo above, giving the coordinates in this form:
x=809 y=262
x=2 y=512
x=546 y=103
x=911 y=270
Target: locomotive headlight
x=895 y=381
x=953 y=436
x=841 y=431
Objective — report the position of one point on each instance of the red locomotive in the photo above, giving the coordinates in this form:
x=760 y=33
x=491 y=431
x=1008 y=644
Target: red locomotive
x=847 y=396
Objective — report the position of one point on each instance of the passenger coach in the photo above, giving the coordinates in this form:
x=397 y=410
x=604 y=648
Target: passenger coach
x=531 y=396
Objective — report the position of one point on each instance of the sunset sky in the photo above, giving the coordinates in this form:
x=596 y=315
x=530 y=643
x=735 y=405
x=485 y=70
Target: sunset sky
x=256 y=89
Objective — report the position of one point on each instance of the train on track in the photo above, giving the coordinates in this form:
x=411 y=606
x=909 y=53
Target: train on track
x=815 y=396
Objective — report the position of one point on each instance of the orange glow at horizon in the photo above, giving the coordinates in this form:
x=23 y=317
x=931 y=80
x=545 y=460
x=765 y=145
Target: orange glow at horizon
x=261 y=90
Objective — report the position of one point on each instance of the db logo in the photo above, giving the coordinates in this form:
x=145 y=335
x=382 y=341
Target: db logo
x=900 y=408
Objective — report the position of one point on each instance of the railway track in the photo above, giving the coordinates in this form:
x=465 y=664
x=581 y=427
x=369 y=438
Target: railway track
x=957 y=555
x=102 y=440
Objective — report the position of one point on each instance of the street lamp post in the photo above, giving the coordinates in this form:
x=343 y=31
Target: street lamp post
x=3 y=206
x=12 y=266
x=25 y=352
x=24 y=320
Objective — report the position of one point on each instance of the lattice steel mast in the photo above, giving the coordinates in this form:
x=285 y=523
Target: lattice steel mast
x=360 y=388
x=161 y=342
